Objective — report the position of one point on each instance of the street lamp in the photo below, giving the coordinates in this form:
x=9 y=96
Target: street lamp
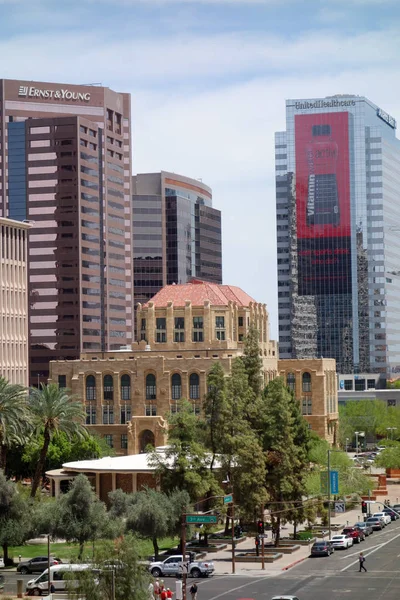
x=361 y=434
x=391 y=429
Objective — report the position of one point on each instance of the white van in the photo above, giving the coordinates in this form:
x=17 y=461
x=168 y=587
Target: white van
x=60 y=574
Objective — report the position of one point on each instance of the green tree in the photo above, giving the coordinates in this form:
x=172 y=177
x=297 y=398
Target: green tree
x=241 y=453
x=185 y=463
x=15 y=516
x=283 y=461
x=214 y=408
x=14 y=419
x=252 y=361
x=81 y=517
x=390 y=457
x=54 y=411
x=129 y=579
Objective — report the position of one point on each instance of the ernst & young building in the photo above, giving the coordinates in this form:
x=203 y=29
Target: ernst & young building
x=65 y=166
x=338 y=234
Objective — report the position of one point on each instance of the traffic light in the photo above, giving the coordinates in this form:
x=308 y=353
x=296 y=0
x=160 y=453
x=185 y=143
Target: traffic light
x=364 y=507
x=260 y=526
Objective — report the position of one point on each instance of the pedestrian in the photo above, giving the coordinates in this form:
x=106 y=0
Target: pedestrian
x=151 y=591
x=193 y=591
x=163 y=595
x=361 y=559
x=157 y=590
x=169 y=593
x=257 y=542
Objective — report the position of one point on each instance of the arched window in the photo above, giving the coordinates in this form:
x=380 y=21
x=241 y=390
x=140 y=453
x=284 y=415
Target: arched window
x=176 y=386
x=291 y=381
x=151 y=391
x=306 y=382
x=194 y=386
x=108 y=387
x=125 y=387
x=90 y=388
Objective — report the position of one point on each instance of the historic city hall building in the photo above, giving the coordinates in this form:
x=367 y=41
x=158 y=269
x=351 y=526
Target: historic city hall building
x=183 y=330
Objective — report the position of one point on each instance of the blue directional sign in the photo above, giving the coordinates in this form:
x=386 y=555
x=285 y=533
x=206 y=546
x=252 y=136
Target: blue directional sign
x=334 y=482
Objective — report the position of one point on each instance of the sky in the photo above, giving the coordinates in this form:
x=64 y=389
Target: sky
x=209 y=80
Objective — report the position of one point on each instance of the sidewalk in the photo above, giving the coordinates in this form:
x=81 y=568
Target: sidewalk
x=223 y=559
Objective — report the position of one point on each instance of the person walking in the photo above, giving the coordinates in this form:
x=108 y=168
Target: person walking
x=169 y=594
x=361 y=560
x=157 y=590
x=193 y=591
x=257 y=543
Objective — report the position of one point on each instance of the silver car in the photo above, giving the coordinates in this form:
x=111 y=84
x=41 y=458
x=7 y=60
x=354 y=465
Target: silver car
x=173 y=567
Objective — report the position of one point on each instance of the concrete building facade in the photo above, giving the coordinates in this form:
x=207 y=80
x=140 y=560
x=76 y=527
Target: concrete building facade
x=177 y=233
x=186 y=329
x=337 y=181
x=65 y=166
x=14 y=301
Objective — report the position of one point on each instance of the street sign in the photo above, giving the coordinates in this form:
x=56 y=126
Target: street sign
x=228 y=499
x=340 y=507
x=334 y=479
x=201 y=519
x=334 y=482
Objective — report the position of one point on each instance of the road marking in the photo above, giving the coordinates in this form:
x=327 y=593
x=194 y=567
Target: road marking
x=240 y=587
x=372 y=551
x=354 y=553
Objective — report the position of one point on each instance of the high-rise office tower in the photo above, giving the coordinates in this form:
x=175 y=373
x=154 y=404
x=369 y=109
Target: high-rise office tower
x=65 y=166
x=338 y=234
x=177 y=233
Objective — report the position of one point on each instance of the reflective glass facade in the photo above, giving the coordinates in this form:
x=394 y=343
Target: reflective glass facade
x=176 y=233
x=65 y=166
x=338 y=244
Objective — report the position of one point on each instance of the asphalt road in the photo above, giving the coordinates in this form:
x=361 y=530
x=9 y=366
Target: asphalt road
x=324 y=578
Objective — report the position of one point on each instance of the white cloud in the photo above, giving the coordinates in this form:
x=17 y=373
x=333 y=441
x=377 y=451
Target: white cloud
x=191 y=117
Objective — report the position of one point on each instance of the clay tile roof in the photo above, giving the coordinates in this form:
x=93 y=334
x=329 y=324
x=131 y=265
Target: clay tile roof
x=198 y=292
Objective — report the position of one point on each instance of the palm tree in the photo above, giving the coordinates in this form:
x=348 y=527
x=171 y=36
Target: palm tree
x=13 y=416
x=54 y=411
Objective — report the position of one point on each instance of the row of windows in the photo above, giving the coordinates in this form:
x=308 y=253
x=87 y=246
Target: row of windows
x=197 y=333
x=306 y=382
x=151 y=387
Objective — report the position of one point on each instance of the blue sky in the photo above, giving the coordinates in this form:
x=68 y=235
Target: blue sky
x=209 y=79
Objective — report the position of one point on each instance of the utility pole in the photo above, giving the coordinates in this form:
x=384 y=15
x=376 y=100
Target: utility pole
x=48 y=562
x=262 y=542
x=329 y=493
x=184 y=572
x=233 y=537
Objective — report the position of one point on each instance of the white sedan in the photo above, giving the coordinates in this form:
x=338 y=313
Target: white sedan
x=341 y=541
x=386 y=518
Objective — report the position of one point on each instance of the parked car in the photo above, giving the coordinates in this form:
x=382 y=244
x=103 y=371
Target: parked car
x=376 y=523
x=386 y=518
x=396 y=507
x=36 y=565
x=341 y=541
x=1 y=562
x=60 y=575
x=392 y=513
x=365 y=527
x=322 y=549
x=355 y=533
x=173 y=566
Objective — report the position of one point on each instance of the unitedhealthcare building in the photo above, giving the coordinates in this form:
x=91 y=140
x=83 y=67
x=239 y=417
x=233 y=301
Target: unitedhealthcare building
x=338 y=234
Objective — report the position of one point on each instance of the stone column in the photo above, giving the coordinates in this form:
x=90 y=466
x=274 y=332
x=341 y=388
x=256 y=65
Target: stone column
x=188 y=321
x=114 y=481
x=207 y=322
x=97 y=485
x=151 y=324
x=134 y=482
x=56 y=487
x=170 y=322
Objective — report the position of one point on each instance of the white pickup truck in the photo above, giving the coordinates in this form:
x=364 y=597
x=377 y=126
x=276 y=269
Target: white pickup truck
x=173 y=566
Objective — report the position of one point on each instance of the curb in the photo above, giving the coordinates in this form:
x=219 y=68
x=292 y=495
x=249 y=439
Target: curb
x=294 y=563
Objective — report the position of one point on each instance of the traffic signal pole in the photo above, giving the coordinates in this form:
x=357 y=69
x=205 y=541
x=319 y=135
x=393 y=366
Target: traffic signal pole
x=262 y=542
x=233 y=537
x=184 y=570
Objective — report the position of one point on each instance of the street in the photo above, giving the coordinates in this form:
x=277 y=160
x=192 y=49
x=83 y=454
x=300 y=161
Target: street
x=324 y=578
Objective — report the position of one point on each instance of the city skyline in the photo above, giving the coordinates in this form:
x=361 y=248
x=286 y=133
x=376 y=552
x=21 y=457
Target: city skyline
x=213 y=76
